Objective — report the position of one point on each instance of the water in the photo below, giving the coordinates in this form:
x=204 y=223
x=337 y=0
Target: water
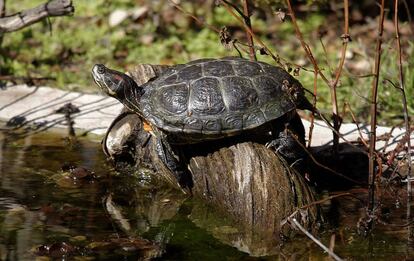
x=46 y=212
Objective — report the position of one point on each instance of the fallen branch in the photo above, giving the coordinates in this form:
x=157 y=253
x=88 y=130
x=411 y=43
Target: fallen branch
x=27 y=17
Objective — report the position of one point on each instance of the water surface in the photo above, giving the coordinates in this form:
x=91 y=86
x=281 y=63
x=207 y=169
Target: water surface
x=107 y=215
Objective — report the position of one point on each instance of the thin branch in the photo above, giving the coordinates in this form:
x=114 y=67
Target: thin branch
x=195 y=18
x=311 y=58
x=27 y=17
x=276 y=57
x=357 y=125
x=305 y=46
x=314 y=239
x=374 y=94
x=320 y=164
x=235 y=7
x=345 y=39
x=406 y=119
x=314 y=100
x=248 y=23
x=402 y=89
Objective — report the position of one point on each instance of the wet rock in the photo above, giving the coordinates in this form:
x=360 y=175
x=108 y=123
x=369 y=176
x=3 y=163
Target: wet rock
x=56 y=250
x=144 y=248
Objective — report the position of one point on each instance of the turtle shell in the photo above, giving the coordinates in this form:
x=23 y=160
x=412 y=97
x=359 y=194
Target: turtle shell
x=218 y=97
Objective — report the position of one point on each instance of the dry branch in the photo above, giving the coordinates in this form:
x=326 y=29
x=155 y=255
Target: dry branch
x=248 y=23
x=374 y=94
x=27 y=17
x=402 y=89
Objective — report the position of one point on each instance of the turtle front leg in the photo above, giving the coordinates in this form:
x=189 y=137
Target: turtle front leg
x=166 y=155
x=289 y=140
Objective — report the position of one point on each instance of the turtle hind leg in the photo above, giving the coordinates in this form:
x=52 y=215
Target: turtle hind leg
x=180 y=172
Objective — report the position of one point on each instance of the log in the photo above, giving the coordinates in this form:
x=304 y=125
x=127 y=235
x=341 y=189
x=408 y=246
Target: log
x=240 y=178
x=257 y=186
x=27 y=17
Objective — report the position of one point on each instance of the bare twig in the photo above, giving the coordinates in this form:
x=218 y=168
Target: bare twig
x=345 y=39
x=374 y=92
x=356 y=124
x=27 y=17
x=229 y=8
x=320 y=164
x=407 y=121
x=311 y=58
x=195 y=18
x=314 y=239
x=314 y=100
x=402 y=89
x=345 y=194
x=248 y=23
x=331 y=84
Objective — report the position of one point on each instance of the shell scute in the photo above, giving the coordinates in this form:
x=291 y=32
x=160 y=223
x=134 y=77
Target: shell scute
x=189 y=73
x=232 y=122
x=246 y=68
x=211 y=126
x=218 y=69
x=205 y=97
x=239 y=93
x=252 y=119
x=174 y=98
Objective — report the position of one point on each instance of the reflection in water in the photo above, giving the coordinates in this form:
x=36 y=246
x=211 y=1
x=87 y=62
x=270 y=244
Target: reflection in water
x=108 y=216
x=103 y=217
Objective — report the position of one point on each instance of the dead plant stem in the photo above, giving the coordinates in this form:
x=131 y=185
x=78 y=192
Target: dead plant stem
x=314 y=100
x=373 y=112
x=248 y=24
x=195 y=18
x=331 y=84
x=406 y=119
x=402 y=88
x=345 y=39
x=276 y=57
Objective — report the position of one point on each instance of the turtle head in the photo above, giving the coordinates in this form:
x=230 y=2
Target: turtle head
x=114 y=83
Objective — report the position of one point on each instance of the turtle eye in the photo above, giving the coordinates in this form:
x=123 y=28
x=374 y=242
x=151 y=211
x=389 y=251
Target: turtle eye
x=100 y=69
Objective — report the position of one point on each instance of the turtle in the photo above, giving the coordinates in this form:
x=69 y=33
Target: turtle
x=210 y=99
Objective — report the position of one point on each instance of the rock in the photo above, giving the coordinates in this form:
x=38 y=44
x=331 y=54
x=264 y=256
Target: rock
x=137 y=13
x=117 y=17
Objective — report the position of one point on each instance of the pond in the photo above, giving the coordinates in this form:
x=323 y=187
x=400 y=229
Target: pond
x=61 y=199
